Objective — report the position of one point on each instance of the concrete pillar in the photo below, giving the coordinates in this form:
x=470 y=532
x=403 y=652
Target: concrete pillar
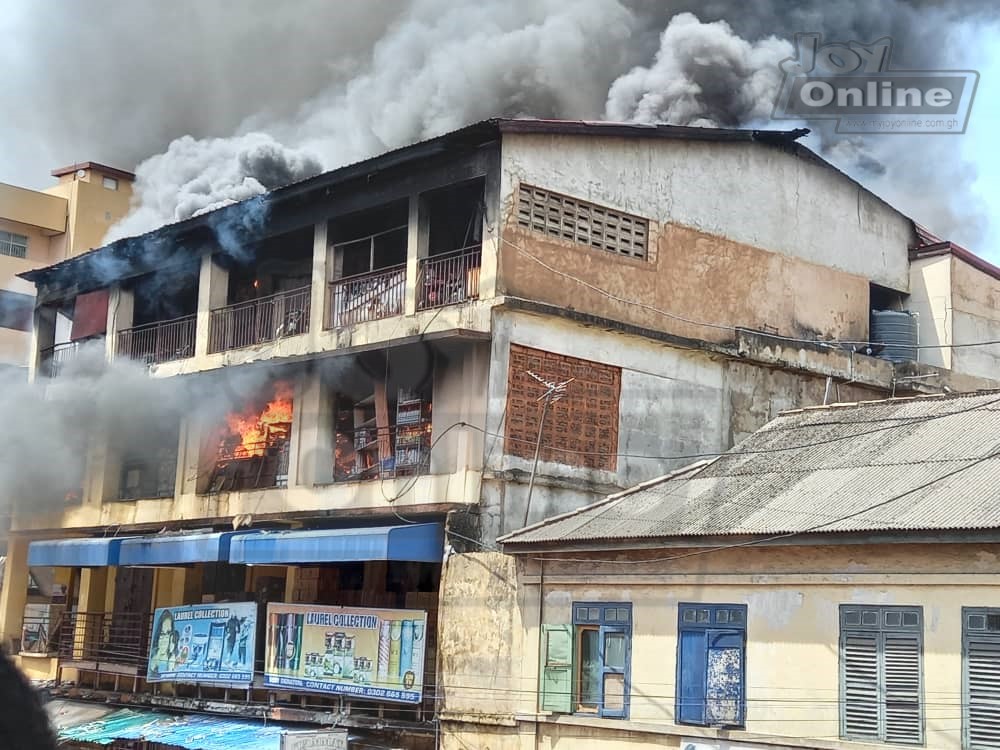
x=213 y=292
x=313 y=435
x=14 y=594
x=43 y=336
x=321 y=277
x=92 y=606
x=169 y=587
x=121 y=310
x=489 y=272
x=412 y=256
x=291 y=583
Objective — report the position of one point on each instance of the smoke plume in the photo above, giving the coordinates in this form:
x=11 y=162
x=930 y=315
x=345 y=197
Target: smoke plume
x=236 y=98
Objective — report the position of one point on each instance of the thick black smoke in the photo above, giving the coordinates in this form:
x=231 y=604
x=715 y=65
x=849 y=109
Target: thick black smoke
x=249 y=95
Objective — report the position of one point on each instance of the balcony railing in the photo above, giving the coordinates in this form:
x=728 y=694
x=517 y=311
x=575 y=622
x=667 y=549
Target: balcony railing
x=115 y=638
x=163 y=341
x=259 y=321
x=367 y=296
x=55 y=359
x=449 y=279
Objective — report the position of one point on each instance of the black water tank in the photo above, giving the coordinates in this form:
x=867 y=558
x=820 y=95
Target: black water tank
x=898 y=331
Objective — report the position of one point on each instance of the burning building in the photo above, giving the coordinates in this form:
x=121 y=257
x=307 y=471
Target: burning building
x=432 y=348
x=254 y=445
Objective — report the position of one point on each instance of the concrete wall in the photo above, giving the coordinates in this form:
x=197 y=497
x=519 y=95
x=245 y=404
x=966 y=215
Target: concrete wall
x=975 y=305
x=792 y=595
x=674 y=403
x=32 y=207
x=742 y=235
x=931 y=299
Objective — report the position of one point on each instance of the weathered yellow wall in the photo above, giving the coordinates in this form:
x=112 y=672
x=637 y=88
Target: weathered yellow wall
x=693 y=276
x=95 y=210
x=975 y=306
x=33 y=208
x=931 y=299
x=793 y=596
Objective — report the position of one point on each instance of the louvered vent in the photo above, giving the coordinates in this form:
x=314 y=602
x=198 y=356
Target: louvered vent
x=581 y=221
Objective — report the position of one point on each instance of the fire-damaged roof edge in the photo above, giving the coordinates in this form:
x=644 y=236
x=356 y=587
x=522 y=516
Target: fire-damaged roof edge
x=471 y=136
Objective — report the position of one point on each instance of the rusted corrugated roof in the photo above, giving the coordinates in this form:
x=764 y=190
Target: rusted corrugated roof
x=924 y=463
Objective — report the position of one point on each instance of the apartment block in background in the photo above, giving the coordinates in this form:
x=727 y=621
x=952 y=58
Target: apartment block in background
x=42 y=227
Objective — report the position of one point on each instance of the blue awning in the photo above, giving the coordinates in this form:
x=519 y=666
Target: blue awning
x=74 y=553
x=188 y=731
x=418 y=542
x=177 y=549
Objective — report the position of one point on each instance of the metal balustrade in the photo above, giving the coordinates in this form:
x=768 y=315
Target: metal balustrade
x=259 y=321
x=367 y=296
x=449 y=278
x=162 y=341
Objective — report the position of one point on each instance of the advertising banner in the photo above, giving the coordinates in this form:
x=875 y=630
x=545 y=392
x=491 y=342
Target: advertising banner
x=366 y=653
x=211 y=643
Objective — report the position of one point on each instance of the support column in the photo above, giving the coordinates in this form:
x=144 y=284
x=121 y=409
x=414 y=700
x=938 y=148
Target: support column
x=14 y=594
x=312 y=441
x=213 y=292
x=319 y=314
x=43 y=336
x=412 y=256
x=121 y=313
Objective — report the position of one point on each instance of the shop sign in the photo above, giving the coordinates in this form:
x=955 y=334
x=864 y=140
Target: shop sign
x=324 y=739
x=376 y=654
x=207 y=643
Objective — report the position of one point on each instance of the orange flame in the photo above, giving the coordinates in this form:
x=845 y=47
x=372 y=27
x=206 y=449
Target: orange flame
x=258 y=430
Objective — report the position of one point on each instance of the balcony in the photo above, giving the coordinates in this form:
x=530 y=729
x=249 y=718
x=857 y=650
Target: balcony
x=55 y=359
x=367 y=296
x=154 y=343
x=449 y=278
x=120 y=639
x=259 y=321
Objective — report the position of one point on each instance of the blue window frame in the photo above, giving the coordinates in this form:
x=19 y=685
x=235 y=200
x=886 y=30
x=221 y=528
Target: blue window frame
x=711 y=664
x=603 y=635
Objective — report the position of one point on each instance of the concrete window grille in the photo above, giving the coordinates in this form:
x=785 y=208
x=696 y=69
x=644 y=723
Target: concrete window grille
x=881 y=674
x=581 y=221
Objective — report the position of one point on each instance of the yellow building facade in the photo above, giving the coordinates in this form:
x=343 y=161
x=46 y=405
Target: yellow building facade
x=42 y=227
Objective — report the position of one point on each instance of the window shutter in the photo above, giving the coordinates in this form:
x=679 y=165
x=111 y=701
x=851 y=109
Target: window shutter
x=724 y=678
x=982 y=693
x=691 y=677
x=615 y=656
x=557 y=668
x=859 y=665
x=901 y=665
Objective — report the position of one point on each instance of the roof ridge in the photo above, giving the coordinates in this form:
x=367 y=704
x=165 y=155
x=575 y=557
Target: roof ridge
x=891 y=400
x=689 y=468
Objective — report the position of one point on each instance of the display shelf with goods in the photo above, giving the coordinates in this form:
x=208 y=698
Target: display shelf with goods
x=413 y=433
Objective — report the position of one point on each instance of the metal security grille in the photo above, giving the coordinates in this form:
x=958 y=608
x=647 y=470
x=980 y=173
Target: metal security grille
x=14 y=245
x=583 y=222
x=881 y=674
x=580 y=429
x=980 y=678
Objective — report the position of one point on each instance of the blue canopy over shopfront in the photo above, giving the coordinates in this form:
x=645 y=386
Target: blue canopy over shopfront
x=74 y=553
x=178 y=549
x=418 y=542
